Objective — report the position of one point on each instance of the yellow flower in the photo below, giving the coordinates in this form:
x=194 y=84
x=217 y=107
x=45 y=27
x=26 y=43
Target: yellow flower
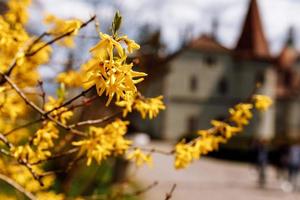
x=131 y=44
x=60 y=27
x=70 y=78
x=49 y=195
x=183 y=155
x=62 y=114
x=149 y=106
x=104 y=142
x=105 y=48
x=262 y=102
x=225 y=129
x=140 y=158
x=241 y=114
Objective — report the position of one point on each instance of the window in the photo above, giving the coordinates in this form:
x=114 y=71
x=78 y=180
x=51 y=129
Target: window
x=209 y=60
x=192 y=124
x=223 y=86
x=193 y=83
x=260 y=77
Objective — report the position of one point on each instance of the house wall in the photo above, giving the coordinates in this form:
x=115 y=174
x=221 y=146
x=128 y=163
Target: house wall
x=193 y=108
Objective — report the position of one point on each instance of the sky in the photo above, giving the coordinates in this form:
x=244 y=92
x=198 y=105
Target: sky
x=178 y=18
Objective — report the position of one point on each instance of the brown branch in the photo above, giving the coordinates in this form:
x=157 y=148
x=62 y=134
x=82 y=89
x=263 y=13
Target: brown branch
x=29 y=54
x=43 y=93
x=169 y=194
x=59 y=155
x=154 y=150
x=22 y=162
x=22 y=126
x=60 y=37
x=96 y=121
x=81 y=94
x=142 y=191
x=17 y=187
x=38 y=109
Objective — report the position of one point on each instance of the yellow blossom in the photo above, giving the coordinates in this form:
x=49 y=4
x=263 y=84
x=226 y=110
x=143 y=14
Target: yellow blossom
x=140 y=158
x=104 y=142
x=149 y=106
x=70 y=78
x=225 y=129
x=241 y=114
x=262 y=102
x=61 y=27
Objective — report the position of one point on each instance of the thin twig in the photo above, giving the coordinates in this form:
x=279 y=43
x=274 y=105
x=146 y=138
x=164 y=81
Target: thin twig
x=154 y=150
x=59 y=155
x=22 y=126
x=29 y=54
x=17 y=187
x=142 y=191
x=169 y=194
x=60 y=37
x=96 y=121
x=81 y=94
x=39 y=110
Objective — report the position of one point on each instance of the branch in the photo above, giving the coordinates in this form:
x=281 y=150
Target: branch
x=81 y=94
x=17 y=187
x=59 y=155
x=60 y=37
x=169 y=194
x=38 y=109
x=144 y=190
x=29 y=54
x=23 y=126
x=153 y=150
x=96 y=121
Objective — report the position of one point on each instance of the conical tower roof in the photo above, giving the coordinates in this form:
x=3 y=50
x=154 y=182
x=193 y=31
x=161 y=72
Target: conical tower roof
x=252 y=42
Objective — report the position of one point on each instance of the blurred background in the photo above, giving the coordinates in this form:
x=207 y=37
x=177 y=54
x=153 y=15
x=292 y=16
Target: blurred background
x=203 y=57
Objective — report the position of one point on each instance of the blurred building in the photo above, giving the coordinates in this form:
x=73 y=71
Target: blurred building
x=208 y=78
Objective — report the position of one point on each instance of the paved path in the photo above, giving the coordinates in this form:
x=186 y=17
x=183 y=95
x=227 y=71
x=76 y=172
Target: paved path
x=208 y=179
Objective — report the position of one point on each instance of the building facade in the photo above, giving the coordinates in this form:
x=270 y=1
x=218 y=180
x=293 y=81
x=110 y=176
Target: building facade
x=207 y=79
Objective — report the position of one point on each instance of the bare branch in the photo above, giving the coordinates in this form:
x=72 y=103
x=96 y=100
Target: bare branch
x=144 y=190
x=22 y=126
x=96 y=121
x=169 y=194
x=39 y=110
x=60 y=37
x=17 y=187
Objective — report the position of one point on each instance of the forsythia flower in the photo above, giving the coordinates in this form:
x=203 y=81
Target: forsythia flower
x=44 y=140
x=18 y=11
x=70 y=78
x=150 y=106
x=183 y=155
x=62 y=114
x=104 y=142
x=241 y=114
x=225 y=129
x=50 y=195
x=146 y=106
x=22 y=176
x=61 y=27
x=139 y=157
x=262 y=102
x=109 y=70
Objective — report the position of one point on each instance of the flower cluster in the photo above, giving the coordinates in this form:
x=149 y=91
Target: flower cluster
x=145 y=106
x=104 y=142
x=109 y=70
x=139 y=157
x=60 y=27
x=221 y=131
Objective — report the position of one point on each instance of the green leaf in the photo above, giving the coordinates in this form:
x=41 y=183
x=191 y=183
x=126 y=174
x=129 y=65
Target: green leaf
x=116 y=24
